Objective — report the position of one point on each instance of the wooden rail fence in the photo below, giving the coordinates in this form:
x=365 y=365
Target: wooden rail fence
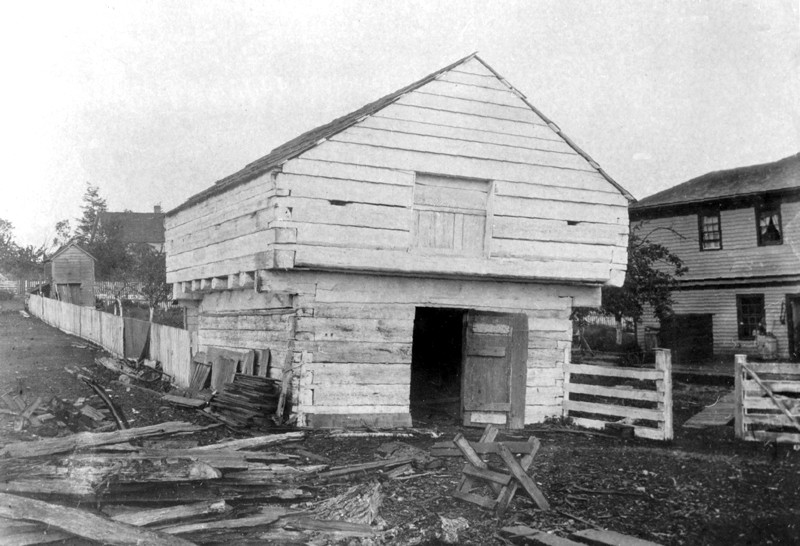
x=169 y=346
x=595 y=396
x=767 y=401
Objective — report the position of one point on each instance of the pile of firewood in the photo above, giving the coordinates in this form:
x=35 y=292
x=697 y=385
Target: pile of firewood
x=148 y=489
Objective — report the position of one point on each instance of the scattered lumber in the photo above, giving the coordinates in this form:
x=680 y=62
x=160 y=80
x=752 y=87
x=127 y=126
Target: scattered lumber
x=116 y=412
x=255 y=442
x=598 y=537
x=267 y=516
x=359 y=504
x=83 y=474
x=82 y=523
x=184 y=401
x=352 y=469
x=157 y=516
x=52 y=446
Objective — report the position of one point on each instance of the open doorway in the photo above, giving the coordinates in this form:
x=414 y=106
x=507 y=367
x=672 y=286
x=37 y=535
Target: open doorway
x=436 y=363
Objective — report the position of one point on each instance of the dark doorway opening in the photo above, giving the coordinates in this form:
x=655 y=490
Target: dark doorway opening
x=436 y=363
x=792 y=319
x=690 y=338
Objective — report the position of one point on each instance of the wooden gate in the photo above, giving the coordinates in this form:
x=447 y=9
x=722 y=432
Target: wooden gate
x=495 y=369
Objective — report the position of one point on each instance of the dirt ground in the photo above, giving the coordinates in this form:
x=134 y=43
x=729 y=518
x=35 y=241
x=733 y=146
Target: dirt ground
x=703 y=488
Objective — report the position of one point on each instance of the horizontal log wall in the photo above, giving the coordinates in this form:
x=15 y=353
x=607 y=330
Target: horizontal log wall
x=349 y=202
x=221 y=235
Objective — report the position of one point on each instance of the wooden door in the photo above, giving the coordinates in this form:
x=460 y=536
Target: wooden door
x=793 y=325
x=690 y=338
x=495 y=369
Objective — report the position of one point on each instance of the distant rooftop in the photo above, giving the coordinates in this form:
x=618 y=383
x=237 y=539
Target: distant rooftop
x=780 y=175
x=137 y=227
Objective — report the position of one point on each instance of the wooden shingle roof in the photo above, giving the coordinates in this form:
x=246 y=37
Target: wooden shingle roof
x=65 y=247
x=777 y=176
x=136 y=227
x=309 y=139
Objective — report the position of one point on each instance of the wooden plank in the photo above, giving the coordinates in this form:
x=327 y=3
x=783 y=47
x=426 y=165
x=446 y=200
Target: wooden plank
x=620 y=411
x=392 y=261
x=453 y=165
x=370 y=330
x=172 y=347
x=542 y=250
x=483 y=502
x=639 y=431
x=485 y=474
x=491 y=95
x=351 y=236
x=82 y=523
x=627 y=393
x=608 y=371
x=350 y=418
x=469 y=107
x=430 y=128
x=524 y=480
x=508 y=492
x=51 y=446
x=449 y=147
x=345 y=171
x=153 y=516
x=326 y=351
x=343 y=395
x=560 y=210
x=236 y=246
x=446 y=118
x=321 y=211
x=323 y=187
x=363 y=373
x=363 y=311
x=603 y=537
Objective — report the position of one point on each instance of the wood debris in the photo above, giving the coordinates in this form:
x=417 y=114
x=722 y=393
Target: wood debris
x=246 y=401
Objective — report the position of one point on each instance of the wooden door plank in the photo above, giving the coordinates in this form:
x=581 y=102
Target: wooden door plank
x=523 y=478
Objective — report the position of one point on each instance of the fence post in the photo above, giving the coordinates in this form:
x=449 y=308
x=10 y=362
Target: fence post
x=738 y=397
x=664 y=386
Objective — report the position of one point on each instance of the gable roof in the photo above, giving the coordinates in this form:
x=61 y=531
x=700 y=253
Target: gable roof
x=67 y=246
x=136 y=227
x=780 y=175
x=309 y=139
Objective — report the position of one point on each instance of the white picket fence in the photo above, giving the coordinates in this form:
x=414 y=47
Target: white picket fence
x=169 y=346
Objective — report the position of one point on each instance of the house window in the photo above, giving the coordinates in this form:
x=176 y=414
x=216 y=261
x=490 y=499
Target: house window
x=750 y=314
x=450 y=214
x=768 y=223
x=710 y=230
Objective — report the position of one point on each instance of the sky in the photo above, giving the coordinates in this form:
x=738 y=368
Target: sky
x=154 y=101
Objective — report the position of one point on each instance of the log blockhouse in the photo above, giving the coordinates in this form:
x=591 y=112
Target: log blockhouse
x=436 y=238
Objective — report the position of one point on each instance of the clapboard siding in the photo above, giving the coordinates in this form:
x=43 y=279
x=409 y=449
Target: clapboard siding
x=740 y=256
x=72 y=266
x=721 y=303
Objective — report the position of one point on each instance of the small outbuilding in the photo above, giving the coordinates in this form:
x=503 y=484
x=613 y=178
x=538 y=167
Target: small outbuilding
x=430 y=245
x=70 y=273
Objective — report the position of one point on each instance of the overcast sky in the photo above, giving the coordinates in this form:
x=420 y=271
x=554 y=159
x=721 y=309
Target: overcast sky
x=154 y=101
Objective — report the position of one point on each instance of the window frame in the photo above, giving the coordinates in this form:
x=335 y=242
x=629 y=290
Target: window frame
x=487 y=213
x=771 y=207
x=740 y=314
x=701 y=232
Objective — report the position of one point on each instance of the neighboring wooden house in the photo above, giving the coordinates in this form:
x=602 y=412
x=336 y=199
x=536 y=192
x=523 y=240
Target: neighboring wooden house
x=70 y=273
x=738 y=231
x=135 y=227
x=452 y=205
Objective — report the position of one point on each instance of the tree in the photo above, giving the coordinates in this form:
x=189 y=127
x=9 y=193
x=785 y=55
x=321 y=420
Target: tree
x=15 y=260
x=651 y=277
x=151 y=271
x=63 y=234
x=93 y=204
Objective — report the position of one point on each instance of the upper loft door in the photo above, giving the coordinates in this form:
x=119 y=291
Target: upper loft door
x=793 y=325
x=495 y=369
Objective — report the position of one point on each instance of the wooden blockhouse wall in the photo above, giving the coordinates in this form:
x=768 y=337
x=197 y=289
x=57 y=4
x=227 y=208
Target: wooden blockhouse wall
x=453 y=193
